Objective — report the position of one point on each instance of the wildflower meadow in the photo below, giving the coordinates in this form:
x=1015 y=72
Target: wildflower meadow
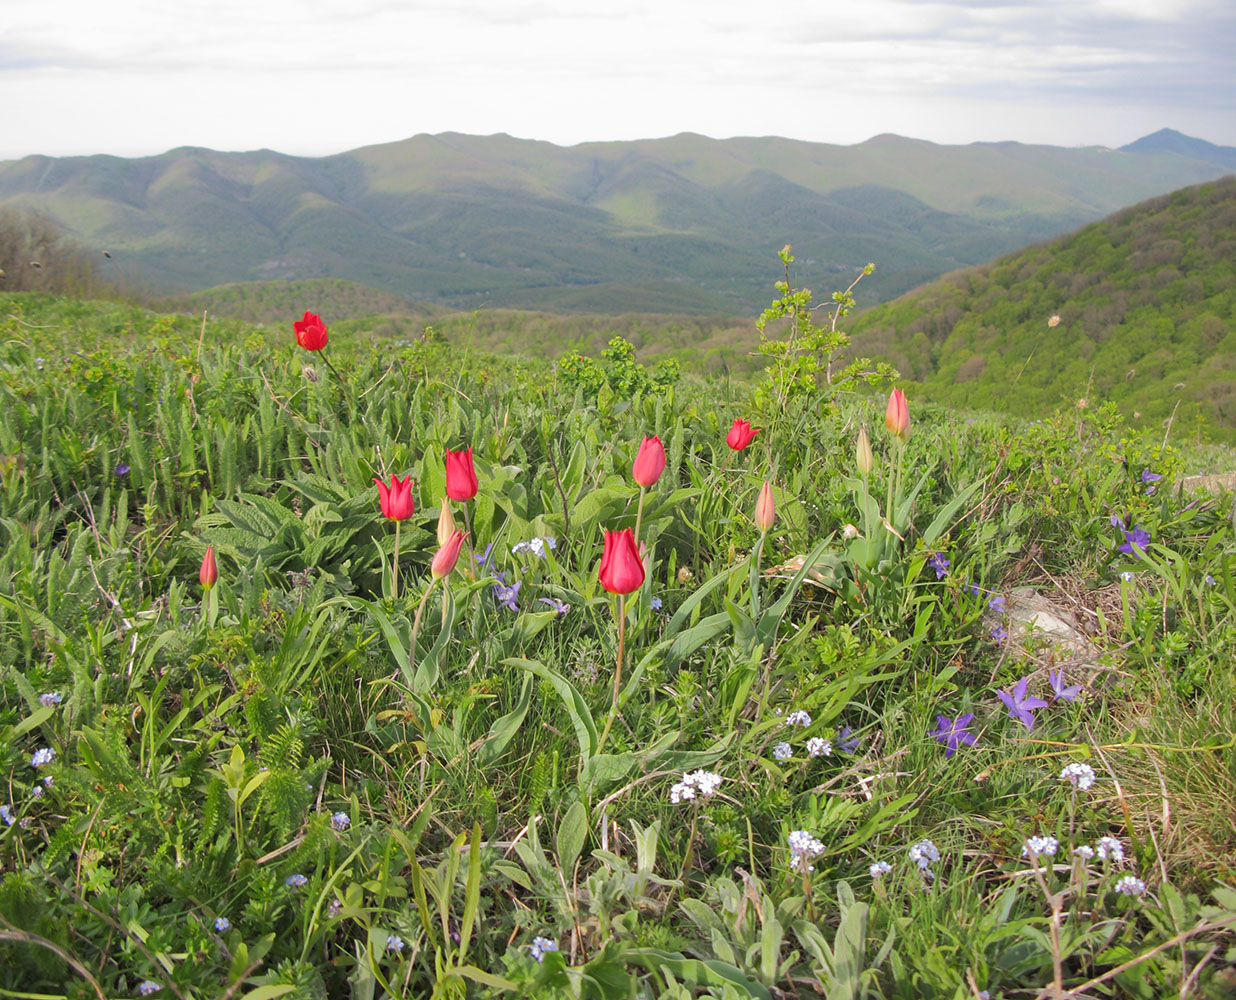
x=338 y=666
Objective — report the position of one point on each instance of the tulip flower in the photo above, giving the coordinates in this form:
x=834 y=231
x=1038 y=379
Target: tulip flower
x=446 y=523
x=897 y=416
x=649 y=462
x=445 y=558
x=396 y=500
x=209 y=573
x=311 y=332
x=622 y=570
x=740 y=435
x=765 y=509
x=460 y=475
x=862 y=453
x=397 y=506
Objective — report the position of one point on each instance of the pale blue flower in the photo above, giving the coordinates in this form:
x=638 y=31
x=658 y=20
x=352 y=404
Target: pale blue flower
x=880 y=868
x=340 y=821
x=148 y=987
x=296 y=881
x=1079 y=775
x=1131 y=886
x=541 y=946
x=50 y=699
x=223 y=924
x=783 y=751
x=394 y=944
x=817 y=746
x=42 y=757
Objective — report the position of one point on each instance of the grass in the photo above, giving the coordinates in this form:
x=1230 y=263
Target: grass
x=384 y=794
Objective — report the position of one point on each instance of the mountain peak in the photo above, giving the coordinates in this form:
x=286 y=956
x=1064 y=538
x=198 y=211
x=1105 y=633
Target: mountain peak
x=1168 y=140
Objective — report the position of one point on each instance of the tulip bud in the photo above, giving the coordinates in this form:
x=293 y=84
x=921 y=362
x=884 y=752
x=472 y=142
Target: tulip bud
x=460 y=475
x=621 y=570
x=765 y=509
x=446 y=523
x=897 y=416
x=447 y=556
x=209 y=573
x=863 y=455
x=649 y=462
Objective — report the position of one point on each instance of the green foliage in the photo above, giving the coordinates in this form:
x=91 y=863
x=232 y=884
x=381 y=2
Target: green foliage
x=618 y=376
x=803 y=363
x=1135 y=311
x=396 y=794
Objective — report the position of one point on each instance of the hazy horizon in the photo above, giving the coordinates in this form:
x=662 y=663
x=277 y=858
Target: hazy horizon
x=317 y=77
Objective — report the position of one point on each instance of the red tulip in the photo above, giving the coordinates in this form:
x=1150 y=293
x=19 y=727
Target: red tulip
x=765 y=509
x=897 y=416
x=622 y=570
x=209 y=573
x=460 y=475
x=445 y=558
x=396 y=499
x=310 y=332
x=740 y=434
x=650 y=462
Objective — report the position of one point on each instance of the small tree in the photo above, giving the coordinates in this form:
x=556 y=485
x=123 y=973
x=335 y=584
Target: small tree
x=809 y=360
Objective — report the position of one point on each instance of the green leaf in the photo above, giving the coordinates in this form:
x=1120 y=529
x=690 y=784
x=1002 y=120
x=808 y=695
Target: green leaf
x=504 y=729
x=577 y=708
x=569 y=840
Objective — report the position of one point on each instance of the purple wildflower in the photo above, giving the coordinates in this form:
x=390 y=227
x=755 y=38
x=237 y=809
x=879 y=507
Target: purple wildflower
x=999 y=635
x=560 y=608
x=1117 y=521
x=995 y=602
x=121 y=470
x=1021 y=705
x=507 y=597
x=940 y=564
x=1056 y=679
x=845 y=742
x=1135 y=542
x=953 y=733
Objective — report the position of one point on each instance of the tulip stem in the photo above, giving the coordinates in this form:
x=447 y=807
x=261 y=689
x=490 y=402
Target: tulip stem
x=622 y=636
x=416 y=626
x=471 y=570
x=639 y=515
x=338 y=377
x=395 y=566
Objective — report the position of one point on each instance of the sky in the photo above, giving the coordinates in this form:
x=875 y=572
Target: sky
x=314 y=77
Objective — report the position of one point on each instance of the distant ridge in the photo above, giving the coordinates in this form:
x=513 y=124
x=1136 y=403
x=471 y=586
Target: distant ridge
x=680 y=224
x=1138 y=310
x=1168 y=140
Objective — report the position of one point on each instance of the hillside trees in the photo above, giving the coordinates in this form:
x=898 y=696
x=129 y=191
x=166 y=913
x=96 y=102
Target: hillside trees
x=37 y=255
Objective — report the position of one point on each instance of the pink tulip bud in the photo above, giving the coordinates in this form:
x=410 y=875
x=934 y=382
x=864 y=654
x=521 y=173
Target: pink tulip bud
x=209 y=573
x=897 y=416
x=863 y=455
x=446 y=523
x=447 y=556
x=765 y=509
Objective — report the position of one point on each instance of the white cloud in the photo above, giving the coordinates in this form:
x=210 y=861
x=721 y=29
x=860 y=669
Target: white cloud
x=317 y=76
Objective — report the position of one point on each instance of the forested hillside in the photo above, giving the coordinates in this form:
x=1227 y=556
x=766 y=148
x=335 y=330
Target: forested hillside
x=1139 y=309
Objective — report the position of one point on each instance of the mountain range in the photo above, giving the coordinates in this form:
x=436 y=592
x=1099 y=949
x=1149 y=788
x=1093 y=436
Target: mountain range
x=682 y=224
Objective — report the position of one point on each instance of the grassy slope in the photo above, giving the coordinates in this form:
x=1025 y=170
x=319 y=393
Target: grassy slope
x=1147 y=306
x=678 y=224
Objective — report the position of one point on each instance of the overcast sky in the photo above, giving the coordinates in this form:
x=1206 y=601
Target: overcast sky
x=311 y=77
